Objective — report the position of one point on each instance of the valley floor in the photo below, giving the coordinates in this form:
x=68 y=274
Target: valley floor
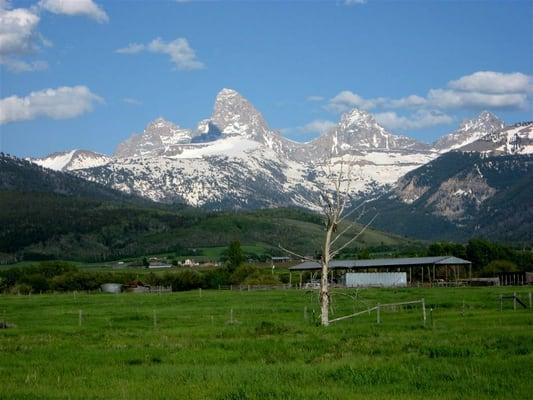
x=265 y=345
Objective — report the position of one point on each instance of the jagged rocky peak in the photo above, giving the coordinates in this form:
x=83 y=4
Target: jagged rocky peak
x=514 y=139
x=358 y=130
x=484 y=121
x=469 y=131
x=357 y=118
x=156 y=138
x=168 y=132
x=233 y=115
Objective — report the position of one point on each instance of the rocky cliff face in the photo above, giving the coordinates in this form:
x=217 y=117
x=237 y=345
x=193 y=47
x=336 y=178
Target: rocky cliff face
x=469 y=131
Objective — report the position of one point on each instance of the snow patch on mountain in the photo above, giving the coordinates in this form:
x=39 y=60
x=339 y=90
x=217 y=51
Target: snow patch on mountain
x=469 y=131
x=72 y=160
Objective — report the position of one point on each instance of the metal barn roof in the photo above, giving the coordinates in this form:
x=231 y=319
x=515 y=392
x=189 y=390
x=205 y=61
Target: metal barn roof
x=383 y=262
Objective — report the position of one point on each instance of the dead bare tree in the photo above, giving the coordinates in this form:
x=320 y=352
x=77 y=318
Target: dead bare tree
x=335 y=203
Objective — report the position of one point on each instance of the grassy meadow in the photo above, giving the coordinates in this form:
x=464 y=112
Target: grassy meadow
x=270 y=348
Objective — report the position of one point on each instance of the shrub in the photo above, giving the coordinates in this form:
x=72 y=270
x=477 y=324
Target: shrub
x=496 y=266
x=185 y=280
x=241 y=273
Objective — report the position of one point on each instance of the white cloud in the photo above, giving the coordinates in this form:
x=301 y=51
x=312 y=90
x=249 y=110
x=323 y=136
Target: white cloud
x=314 y=98
x=16 y=65
x=132 y=101
x=446 y=98
x=346 y=100
x=60 y=103
x=316 y=126
x=354 y=2
x=407 y=102
x=494 y=82
x=18 y=31
x=181 y=54
x=85 y=8
x=418 y=120
x=132 y=48
x=480 y=90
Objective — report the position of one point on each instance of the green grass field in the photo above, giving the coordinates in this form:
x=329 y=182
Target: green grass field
x=468 y=350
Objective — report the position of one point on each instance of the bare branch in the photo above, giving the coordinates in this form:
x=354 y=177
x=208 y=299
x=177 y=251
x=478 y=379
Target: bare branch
x=353 y=210
x=343 y=232
x=334 y=253
x=296 y=254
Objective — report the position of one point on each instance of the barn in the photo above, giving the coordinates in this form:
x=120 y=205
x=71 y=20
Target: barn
x=407 y=271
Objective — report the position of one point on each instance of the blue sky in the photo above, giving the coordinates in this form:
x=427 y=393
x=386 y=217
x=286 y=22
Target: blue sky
x=87 y=74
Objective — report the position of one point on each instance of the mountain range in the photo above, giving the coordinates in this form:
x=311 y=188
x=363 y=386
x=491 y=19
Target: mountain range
x=234 y=160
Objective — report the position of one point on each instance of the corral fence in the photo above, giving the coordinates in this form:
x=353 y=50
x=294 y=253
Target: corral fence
x=248 y=288
x=380 y=307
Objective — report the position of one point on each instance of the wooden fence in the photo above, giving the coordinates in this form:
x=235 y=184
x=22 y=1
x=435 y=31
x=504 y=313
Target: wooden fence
x=379 y=307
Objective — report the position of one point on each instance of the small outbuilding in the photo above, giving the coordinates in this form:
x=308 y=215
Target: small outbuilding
x=111 y=287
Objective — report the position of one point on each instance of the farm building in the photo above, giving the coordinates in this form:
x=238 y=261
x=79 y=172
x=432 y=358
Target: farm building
x=406 y=270
x=159 y=264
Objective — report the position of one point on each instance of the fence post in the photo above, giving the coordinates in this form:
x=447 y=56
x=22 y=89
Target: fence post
x=501 y=302
x=305 y=313
x=200 y=291
x=530 y=301
x=231 y=316
x=514 y=301
x=80 y=317
x=424 y=311
x=378 y=316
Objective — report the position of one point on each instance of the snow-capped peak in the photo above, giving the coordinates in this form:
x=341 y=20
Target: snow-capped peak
x=233 y=115
x=357 y=117
x=72 y=160
x=469 y=131
x=514 y=139
x=358 y=130
x=157 y=138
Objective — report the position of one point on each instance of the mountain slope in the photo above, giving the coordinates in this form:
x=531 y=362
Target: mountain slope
x=461 y=195
x=48 y=225
x=21 y=175
x=72 y=160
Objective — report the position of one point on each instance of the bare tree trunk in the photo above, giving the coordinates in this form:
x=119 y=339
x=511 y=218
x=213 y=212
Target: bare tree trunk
x=324 y=285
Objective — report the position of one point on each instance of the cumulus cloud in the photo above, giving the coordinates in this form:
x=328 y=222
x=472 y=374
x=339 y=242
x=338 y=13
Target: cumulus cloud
x=18 y=31
x=418 y=120
x=480 y=90
x=316 y=126
x=132 y=48
x=494 y=82
x=60 y=103
x=406 y=102
x=447 y=98
x=314 y=98
x=87 y=8
x=346 y=100
x=19 y=35
x=181 y=54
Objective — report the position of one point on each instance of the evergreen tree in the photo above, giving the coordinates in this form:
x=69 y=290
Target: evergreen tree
x=234 y=256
